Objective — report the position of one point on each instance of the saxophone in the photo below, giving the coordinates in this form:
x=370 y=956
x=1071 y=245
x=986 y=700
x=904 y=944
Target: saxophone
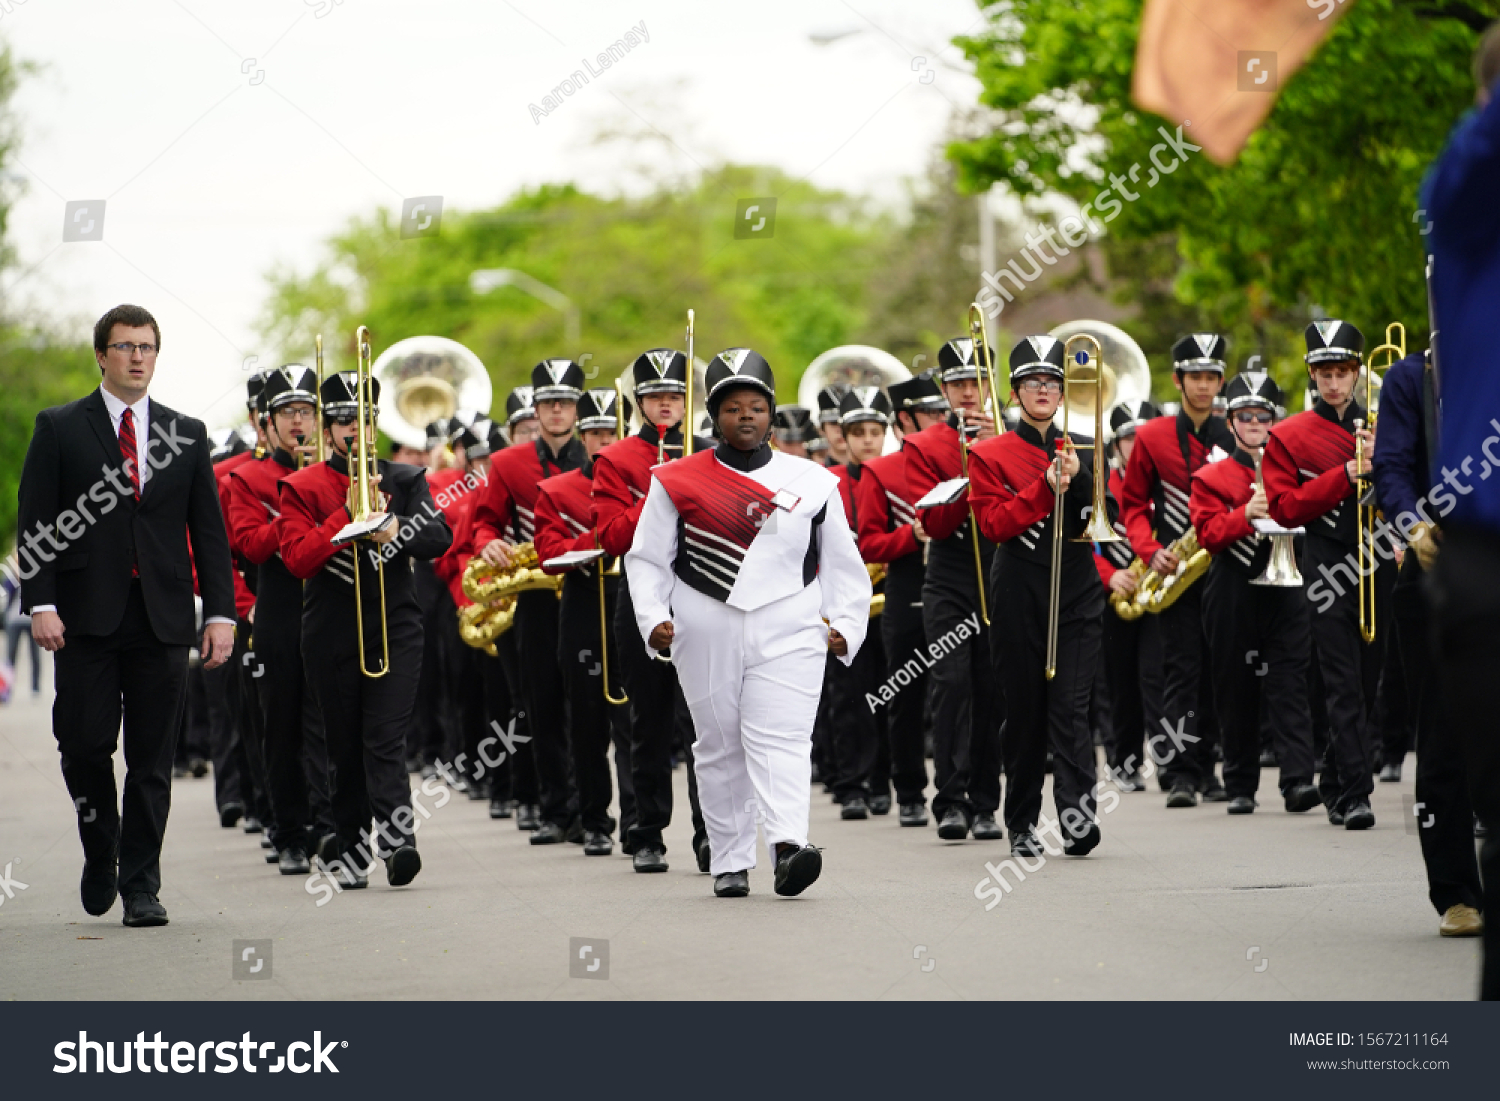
x=479 y=625
x=1124 y=604
x=1156 y=592
x=876 y=570
x=485 y=584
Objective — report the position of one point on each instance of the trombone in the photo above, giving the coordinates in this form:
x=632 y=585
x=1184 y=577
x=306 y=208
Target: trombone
x=1394 y=349
x=963 y=459
x=986 y=360
x=362 y=501
x=318 y=404
x=614 y=570
x=1098 y=528
x=687 y=408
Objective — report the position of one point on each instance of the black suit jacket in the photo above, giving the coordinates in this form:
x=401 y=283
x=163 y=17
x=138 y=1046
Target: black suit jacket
x=81 y=527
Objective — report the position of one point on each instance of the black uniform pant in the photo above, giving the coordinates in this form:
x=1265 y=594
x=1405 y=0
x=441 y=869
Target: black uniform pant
x=967 y=708
x=430 y=715
x=1465 y=593
x=1185 y=755
x=472 y=712
x=536 y=633
x=221 y=689
x=366 y=721
x=193 y=732
x=1133 y=672
x=252 y=727
x=856 y=725
x=592 y=720
x=658 y=716
x=905 y=640
x=1259 y=642
x=1042 y=714
x=276 y=668
x=1334 y=602
x=101 y=680
x=500 y=711
x=1445 y=816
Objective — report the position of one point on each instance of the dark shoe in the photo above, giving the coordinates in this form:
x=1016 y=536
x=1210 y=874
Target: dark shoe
x=198 y=767
x=100 y=886
x=597 y=844
x=327 y=848
x=179 y=772
x=1242 y=804
x=914 y=814
x=1301 y=797
x=229 y=814
x=705 y=855
x=1213 y=791
x=648 y=859
x=348 y=878
x=797 y=870
x=1131 y=781
x=294 y=862
x=549 y=833
x=854 y=809
x=1335 y=817
x=985 y=828
x=1182 y=795
x=528 y=816
x=402 y=866
x=1359 y=817
x=1025 y=843
x=1391 y=774
x=414 y=764
x=265 y=841
x=880 y=804
x=476 y=792
x=143 y=910
x=1082 y=846
x=1268 y=758
x=575 y=831
x=1480 y=829
x=954 y=826
x=732 y=884
x=272 y=856
x=429 y=771
x=497 y=809
x=252 y=824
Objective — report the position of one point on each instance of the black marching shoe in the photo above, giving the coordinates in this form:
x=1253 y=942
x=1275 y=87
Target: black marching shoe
x=548 y=833
x=1268 y=758
x=1082 y=846
x=1391 y=773
x=1182 y=795
x=1213 y=790
x=954 y=826
x=272 y=856
x=704 y=854
x=1359 y=817
x=100 y=886
x=914 y=814
x=880 y=804
x=502 y=808
x=198 y=767
x=326 y=850
x=1301 y=797
x=575 y=832
x=732 y=884
x=985 y=828
x=528 y=816
x=347 y=878
x=252 y=824
x=854 y=809
x=294 y=861
x=1131 y=781
x=797 y=869
x=648 y=859
x=1241 y=804
x=1335 y=817
x=1025 y=843
x=402 y=866
x=143 y=910
x=265 y=842
x=229 y=814
x=597 y=844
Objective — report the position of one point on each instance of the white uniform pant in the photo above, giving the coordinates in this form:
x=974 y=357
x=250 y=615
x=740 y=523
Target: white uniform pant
x=752 y=681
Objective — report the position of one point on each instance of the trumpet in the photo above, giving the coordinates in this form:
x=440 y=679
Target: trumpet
x=1394 y=349
x=1281 y=570
x=363 y=501
x=1098 y=528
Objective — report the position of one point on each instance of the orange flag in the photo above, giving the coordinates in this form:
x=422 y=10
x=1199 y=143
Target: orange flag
x=1217 y=65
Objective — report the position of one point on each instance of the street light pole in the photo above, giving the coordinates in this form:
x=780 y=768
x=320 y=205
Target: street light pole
x=487 y=279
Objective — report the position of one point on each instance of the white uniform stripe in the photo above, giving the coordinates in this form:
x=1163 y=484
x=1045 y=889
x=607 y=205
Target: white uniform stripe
x=733 y=549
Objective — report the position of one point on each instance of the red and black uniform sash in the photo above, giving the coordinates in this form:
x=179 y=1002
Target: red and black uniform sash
x=1220 y=492
x=507 y=508
x=1157 y=488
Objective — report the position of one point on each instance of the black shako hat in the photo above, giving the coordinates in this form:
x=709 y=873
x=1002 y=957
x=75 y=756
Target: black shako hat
x=791 y=423
x=1199 y=352
x=920 y=393
x=734 y=368
x=557 y=380
x=437 y=433
x=1253 y=388
x=284 y=385
x=828 y=402
x=1127 y=416
x=224 y=443
x=956 y=360
x=520 y=405
x=1036 y=355
x=597 y=407
x=660 y=371
x=865 y=403
x=340 y=397
x=1333 y=341
x=253 y=387
x=475 y=438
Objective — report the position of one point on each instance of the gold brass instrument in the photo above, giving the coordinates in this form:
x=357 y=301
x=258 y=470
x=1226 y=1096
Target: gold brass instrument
x=963 y=459
x=1127 y=375
x=1124 y=604
x=687 y=405
x=986 y=359
x=484 y=584
x=1281 y=570
x=1098 y=528
x=614 y=569
x=318 y=405
x=1157 y=593
x=429 y=378
x=1394 y=349
x=363 y=500
x=479 y=625
x=876 y=570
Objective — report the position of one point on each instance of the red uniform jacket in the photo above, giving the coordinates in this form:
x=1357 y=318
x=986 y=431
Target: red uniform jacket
x=1306 y=483
x=1158 y=479
x=564 y=513
x=1220 y=491
x=885 y=506
x=622 y=478
x=932 y=457
x=450 y=566
x=1113 y=557
x=254 y=506
x=244 y=598
x=507 y=507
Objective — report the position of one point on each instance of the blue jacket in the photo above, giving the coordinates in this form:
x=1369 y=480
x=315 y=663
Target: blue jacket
x=1401 y=478
x=1462 y=199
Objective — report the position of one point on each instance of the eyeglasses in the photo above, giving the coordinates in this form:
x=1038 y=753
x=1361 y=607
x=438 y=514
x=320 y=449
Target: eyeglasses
x=127 y=348
x=1251 y=416
x=1040 y=386
x=296 y=414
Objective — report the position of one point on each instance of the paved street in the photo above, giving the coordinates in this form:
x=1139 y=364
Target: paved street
x=1173 y=904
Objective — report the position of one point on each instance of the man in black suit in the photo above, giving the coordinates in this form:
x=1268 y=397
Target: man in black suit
x=114 y=489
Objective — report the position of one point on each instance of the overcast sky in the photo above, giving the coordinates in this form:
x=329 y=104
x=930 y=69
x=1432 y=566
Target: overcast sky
x=226 y=136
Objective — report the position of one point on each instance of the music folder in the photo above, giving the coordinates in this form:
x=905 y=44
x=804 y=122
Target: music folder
x=944 y=493
x=363 y=529
x=573 y=559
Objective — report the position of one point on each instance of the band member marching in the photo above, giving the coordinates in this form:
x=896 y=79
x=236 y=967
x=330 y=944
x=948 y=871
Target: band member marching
x=1310 y=472
x=658 y=714
x=743 y=564
x=1257 y=633
x=792 y=425
x=504 y=517
x=366 y=716
x=891 y=533
x=1014 y=484
x=1154 y=508
x=967 y=708
x=829 y=430
x=564 y=525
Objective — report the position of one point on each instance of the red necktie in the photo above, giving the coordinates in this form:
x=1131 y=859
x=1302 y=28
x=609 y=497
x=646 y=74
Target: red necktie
x=131 y=457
